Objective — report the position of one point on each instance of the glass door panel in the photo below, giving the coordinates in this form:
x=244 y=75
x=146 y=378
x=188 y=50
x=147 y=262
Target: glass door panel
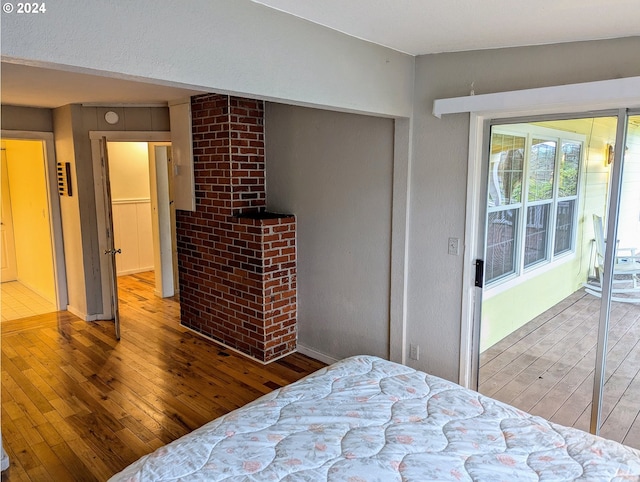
x=620 y=416
x=539 y=325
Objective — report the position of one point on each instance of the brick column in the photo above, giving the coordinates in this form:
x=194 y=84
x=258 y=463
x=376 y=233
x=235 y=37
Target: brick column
x=237 y=264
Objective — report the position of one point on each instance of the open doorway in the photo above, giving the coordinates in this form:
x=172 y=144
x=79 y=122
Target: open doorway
x=136 y=216
x=33 y=280
x=550 y=185
x=131 y=206
x=142 y=212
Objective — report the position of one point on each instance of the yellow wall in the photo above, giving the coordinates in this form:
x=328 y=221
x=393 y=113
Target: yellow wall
x=508 y=310
x=30 y=209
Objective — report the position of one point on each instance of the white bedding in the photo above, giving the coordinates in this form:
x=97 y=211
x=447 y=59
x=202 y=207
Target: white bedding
x=367 y=419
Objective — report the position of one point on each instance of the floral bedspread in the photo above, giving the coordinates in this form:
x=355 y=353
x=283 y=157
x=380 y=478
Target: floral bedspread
x=367 y=419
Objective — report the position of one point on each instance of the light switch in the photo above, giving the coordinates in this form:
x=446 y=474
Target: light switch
x=454 y=246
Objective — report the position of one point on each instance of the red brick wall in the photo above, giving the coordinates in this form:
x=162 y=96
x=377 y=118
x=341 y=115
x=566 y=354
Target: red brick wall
x=237 y=274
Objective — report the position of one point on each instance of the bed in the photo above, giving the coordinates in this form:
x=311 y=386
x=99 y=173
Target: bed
x=368 y=419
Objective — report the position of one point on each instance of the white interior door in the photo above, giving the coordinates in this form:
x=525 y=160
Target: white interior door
x=9 y=271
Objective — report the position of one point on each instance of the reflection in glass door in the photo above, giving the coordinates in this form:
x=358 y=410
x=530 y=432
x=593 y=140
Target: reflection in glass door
x=548 y=184
x=620 y=414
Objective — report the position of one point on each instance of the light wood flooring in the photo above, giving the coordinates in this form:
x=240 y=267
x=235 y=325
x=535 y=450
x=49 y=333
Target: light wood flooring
x=78 y=405
x=547 y=367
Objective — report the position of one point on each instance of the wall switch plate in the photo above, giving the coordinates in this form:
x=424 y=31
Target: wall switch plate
x=454 y=246
x=414 y=351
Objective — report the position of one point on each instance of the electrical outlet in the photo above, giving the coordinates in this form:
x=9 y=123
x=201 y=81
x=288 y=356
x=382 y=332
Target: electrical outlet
x=414 y=351
x=454 y=246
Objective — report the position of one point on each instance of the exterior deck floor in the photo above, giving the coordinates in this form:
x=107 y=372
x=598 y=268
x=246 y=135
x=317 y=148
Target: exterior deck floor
x=547 y=367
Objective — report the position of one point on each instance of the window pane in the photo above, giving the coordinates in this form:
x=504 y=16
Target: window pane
x=535 y=242
x=569 y=164
x=505 y=169
x=501 y=243
x=542 y=164
x=564 y=226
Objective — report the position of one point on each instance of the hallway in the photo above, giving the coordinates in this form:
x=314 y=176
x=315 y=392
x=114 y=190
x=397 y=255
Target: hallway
x=17 y=301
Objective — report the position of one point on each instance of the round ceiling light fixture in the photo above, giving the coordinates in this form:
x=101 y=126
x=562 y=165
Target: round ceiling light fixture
x=111 y=117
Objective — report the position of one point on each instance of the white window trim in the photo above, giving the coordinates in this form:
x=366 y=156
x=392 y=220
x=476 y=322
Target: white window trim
x=525 y=273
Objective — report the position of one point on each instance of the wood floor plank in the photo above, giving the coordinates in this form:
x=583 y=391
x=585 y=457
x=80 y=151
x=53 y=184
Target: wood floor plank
x=73 y=463
x=133 y=443
x=50 y=435
x=94 y=466
x=52 y=467
x=78 y=405
x=633 y=435
x=60 y=424
x=139 y=429
x=562 y=331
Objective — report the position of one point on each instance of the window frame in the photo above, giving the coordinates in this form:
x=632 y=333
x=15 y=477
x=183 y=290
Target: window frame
x=551 y=260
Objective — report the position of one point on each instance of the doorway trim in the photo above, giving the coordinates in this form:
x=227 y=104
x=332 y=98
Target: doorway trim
x=583 y=98
x=55 y=215
x=96 y=139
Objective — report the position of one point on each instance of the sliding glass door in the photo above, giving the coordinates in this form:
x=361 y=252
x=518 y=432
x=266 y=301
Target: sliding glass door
x=551 y=189
x=620 y=408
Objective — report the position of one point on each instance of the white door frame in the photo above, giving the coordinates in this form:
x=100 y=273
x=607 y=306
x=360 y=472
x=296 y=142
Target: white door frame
x=55 y=217
x=162 y=219
x=565 y=99
x=8 y=245
x=112 y=136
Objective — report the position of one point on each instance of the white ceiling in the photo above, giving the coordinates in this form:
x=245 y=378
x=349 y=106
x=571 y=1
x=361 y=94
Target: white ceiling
x=412 y=26
x=420 y=27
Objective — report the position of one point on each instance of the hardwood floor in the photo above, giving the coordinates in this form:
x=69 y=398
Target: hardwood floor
x=547 y=367
x=78 y=405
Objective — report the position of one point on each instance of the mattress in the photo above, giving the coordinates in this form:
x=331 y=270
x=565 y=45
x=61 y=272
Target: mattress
x=367 y=419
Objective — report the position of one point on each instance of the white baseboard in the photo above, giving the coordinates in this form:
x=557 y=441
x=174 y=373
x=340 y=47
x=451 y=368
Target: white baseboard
x=127 y=272
x=159 y=294
x=316 y=355
x=80 y=314
x=305 y=350
x=218 y=342
x=85 y=317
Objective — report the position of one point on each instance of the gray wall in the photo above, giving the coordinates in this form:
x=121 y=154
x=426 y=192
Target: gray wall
x=439 y=169
x=73 y=123
x=77 y=261
x=334 y=172
x=18 y=118
x=294 y=61
x=226 y=46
